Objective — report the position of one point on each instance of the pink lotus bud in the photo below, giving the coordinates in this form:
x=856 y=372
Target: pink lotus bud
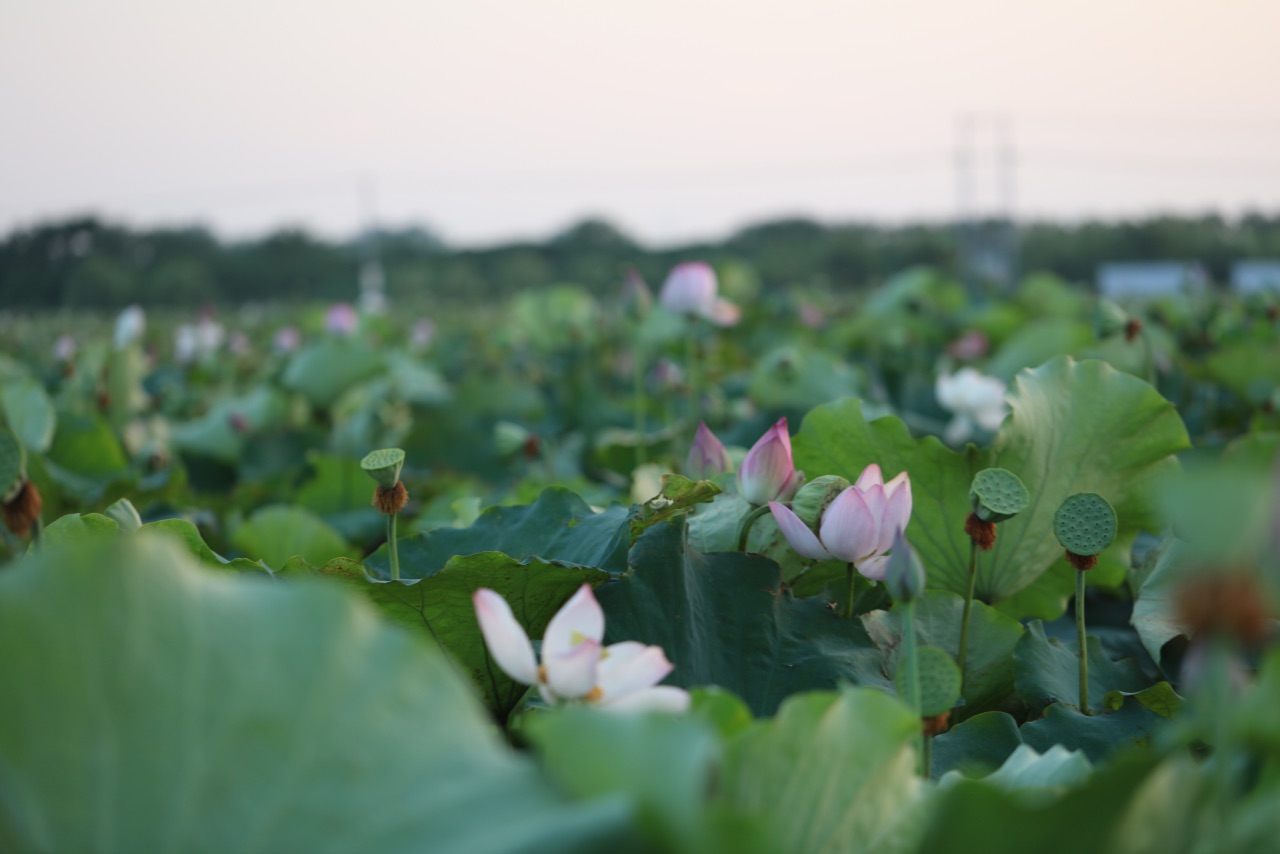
x=707 y=457
x=341 y=319
x=690 y=289
x=767 y=472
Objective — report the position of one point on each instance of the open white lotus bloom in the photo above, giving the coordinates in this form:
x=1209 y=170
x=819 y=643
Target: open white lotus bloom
x=575 y=665
x=974 y=399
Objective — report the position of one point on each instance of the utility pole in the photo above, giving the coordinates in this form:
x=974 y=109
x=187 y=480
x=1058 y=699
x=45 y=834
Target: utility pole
x=986 y=197
x=373 y=280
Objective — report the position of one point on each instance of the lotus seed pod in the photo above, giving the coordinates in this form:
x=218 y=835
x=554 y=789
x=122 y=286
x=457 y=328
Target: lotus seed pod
x=940 y=681
x=816 y=496
x=997 y=495
x=1085 y=524
x=384 y=466
x=13 y=466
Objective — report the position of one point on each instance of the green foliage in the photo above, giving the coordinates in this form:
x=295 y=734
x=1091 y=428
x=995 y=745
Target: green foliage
x=276 y=533
x=283 y=717
x=29 y=413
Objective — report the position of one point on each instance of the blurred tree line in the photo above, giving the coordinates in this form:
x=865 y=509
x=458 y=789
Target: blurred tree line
x=89 y=263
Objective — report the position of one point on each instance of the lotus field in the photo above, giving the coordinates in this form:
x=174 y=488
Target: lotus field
x=708 y=567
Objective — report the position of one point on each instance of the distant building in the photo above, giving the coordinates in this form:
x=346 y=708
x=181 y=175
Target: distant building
x=1139 y=279
x=1251 y=277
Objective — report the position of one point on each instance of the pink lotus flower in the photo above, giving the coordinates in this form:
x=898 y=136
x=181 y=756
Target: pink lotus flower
x=691 y=288
x=341 y=319
x=287 y=340
x=860 y=525
x=767 y=472
x=575 y=666
x=707 y=457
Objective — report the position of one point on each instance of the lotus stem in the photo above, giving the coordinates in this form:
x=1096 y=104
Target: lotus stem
x=748 y=520
x=911 y=661
x=693 y=378
x=1084 y=646
x=393 y=550
x=637 y=378
x=968 y=607
x=848 y=605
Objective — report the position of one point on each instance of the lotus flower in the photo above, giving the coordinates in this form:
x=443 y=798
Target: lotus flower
x=767 y=472
x=130 y=325
x=287 y=340
x=575 y=666
x=691 y=288
x=341 y=319
x=64 y=349
x=860 y=525
x=707 y=457
x=973 y=398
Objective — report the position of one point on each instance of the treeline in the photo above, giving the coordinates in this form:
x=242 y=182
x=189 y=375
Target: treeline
x=89 y=263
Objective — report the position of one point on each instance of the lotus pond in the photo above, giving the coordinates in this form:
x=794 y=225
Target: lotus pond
x=715 y=568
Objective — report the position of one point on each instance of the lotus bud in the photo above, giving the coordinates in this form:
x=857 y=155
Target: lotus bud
x=813 y=499
x=904 y=574
x=707 y=456
x=124 y=514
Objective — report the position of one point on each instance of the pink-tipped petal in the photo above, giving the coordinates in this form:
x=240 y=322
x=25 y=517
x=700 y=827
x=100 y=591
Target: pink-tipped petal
x=767 y=469
x=660 y=698
x=897 y=510
x=792 y=486
x=850 y=530
x=690 y=288
x=721 y=312
x=707 y=456
x=574 y=673
x=871 y=476
x=505 y=637
x=631 y=673
x=580 y=619
x=873 y=567
x=804 y=541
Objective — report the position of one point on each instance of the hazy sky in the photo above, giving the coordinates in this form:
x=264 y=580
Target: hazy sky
x=676 y=118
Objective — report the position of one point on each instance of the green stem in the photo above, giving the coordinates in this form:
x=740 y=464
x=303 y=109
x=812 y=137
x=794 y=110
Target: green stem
x=848 y=605
x=926 y=769
x=393 y=551
x=638 y=396
x=1148 y=356
x=1084 y=646
x=911 y=660
x=691 y=369
x=968 y=606
x=37 y=532
x=749 y=519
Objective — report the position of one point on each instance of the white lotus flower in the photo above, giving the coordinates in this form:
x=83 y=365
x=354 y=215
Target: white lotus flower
x=691 y=289
x=130 y=325
x=974 y=399
x=575 y=666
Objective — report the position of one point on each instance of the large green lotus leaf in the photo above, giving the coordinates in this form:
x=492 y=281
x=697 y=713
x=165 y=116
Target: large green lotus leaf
x=724 y=620
x=974 y=815
x=1247 y=367
x=799 y=378
x=153 y=706
x=439 y=606
x=1037 y=343
x=415 y=382
x=1037 y=777
x=1154 y=611
x=666 y=764
x=1099 y=736
x=989 y=672
x=75 y=528
x=559 y=526
x=977 y=745
x=85 y=445
x=29 y=412
x=1074 y=427
x=324 y=370
x=1049 y=672
x=340 y=492
x=188 y=537
x=222 y=432
x=277 y=532
x=834 y=771
x=714 y=528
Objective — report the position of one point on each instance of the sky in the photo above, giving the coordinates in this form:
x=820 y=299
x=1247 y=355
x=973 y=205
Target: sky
x=488 y=120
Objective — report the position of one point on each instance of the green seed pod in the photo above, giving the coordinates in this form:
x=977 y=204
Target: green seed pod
x=940 y=681
x=997 y=495
x=816 y=496
x=1085 y=524
x=13 y=466
x=384 y=466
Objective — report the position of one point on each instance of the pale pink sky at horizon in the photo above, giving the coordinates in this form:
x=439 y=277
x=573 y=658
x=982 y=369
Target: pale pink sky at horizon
x=488 y=120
